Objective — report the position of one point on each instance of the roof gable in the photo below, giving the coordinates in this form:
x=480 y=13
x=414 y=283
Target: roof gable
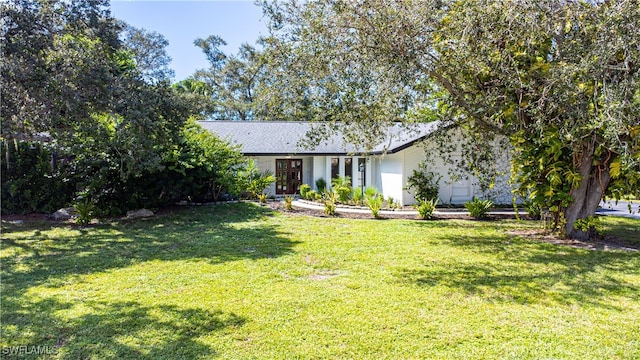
x=287 y=138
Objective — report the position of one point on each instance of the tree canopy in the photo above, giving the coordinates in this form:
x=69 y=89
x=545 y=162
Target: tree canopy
x=558 y=78
x=88 y=110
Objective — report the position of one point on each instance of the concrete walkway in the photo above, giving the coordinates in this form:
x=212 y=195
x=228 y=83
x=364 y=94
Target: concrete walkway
x=364 y=210
x=608 y=209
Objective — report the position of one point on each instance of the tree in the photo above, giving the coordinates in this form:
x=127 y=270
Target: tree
x=66 y=73
x=558 y=78
x=148 y=50
x=236 y=82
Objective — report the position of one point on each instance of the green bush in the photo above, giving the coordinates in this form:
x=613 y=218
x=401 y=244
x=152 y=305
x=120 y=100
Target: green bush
x=478 y=209
x=392 y=203
x=304 y=191
x=330 y=203
x=342 y=187
x=34 y=178
x=374 y=202
x=321 y=185
x=288 y=202
x=357 y=196
x=85 y=209
x=534 y=210
x=423 y=183
x=426 y=208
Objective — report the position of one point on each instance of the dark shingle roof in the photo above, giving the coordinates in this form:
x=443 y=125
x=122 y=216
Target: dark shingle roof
x=287 y=137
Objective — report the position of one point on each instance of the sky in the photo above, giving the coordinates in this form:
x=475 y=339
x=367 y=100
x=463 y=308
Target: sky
x=181 y=22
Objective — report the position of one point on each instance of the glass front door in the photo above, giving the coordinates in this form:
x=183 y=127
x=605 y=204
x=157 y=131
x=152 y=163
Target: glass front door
x=288 y=176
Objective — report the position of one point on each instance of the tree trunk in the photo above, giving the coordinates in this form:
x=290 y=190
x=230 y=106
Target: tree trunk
x=587 y=196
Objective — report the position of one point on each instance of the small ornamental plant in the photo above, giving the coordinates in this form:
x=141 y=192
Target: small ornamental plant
x=477 y=208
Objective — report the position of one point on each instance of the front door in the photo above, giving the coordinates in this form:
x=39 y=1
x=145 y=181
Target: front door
x=288 y=176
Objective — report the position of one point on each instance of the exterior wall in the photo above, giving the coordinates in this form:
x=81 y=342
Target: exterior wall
x=391 y=175
x=269 y=163
x=461 y=190
x=319 y=171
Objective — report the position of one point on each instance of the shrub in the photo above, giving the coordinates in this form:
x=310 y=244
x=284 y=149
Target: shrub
x=342 y=187
x=392 y=204
x=304 y=191
x=374 y=202
x=426 y=208
x=29 y=181
x=534 y=211
x=356 y=196
x=321 y=185
x=263 y=198
x=85 y=210
x=330 y=203
x=478 y=209
x=370 y=191
x=288 y=202
x=423 y=183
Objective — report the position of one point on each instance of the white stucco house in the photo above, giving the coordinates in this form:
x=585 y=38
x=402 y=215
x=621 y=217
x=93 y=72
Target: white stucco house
x=277 y=146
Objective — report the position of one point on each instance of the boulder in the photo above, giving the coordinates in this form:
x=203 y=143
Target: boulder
x=63 y=214
x=136 y=214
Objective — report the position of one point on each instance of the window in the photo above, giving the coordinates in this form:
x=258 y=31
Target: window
x=335 y=167
x=348 y=169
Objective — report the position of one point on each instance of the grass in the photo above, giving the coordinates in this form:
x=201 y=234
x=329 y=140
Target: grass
x=238 y=281
x=625 y=229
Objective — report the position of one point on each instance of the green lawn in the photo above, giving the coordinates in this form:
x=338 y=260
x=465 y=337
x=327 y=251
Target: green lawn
x=240 y=282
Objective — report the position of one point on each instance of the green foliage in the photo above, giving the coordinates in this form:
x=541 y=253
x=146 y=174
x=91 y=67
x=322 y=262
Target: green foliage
x=314 y=195
x=370 y=191
x=253 y=181
x=591 y=223
x=426 y=208
x=263 y=198
x=330 y=201
x=534 y=210
x=237 y=84
x=357 y=196
x=423 y=183
x=321 y=185
x=392 y=204
x=558 y=78
x=304 y=191
x=342 y=187
x=288 y=203
x=477 y=208
x=85 y=209
x=374 y=201
x=35 y=178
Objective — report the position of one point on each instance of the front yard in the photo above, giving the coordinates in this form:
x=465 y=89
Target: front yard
x=241 y=281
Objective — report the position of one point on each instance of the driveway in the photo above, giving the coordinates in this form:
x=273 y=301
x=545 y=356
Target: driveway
x=620 y=209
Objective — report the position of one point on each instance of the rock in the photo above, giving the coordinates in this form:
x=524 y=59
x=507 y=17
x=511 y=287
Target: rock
x=136 y=214
x=63 y=214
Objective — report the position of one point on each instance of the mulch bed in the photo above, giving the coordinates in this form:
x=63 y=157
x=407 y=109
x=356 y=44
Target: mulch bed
x=605 y=243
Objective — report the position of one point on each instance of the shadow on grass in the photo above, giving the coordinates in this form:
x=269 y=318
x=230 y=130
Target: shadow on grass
x=214 y=234
x=516 y=270
x=45 y=255
x=117 y=330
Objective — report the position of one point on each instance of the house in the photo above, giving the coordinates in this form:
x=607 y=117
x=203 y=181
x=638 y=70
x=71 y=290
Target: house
x=279 y=147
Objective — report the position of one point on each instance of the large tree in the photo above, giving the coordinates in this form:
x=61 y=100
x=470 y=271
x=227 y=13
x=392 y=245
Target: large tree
x=105 y=104
x=236 y=83
x=559 y=78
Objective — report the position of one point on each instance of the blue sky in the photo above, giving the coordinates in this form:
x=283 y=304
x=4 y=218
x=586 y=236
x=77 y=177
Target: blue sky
x=181 y=22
